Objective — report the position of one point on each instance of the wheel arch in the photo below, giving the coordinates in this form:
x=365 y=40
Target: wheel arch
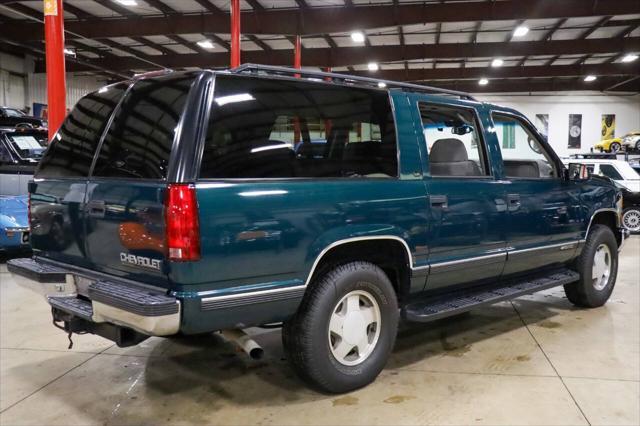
x=608 y=217
x=389 y=252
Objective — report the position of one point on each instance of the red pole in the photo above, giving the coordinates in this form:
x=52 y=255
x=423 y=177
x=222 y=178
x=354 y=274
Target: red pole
x=56 y=83
x=235 y=33
x=297 y=63
x=297 y=53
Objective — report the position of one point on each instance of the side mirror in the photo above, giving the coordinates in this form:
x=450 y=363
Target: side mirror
x=578 y=171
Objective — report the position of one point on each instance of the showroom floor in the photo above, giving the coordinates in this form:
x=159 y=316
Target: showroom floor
x=536 y=361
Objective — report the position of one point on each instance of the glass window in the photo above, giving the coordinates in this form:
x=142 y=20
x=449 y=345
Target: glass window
x=5 y=155
x=267 y=128
x=28 y=146
x=453 y=141
x=71 y=151
x=523 y=155
x=609 y=171
x=139 y=141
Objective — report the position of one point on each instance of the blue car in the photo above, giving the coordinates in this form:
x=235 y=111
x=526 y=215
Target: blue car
x=14 y=223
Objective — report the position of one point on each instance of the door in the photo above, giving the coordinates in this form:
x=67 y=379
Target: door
x=544 y=211
x=125 y=196
x=58 y=193
x=467 y=206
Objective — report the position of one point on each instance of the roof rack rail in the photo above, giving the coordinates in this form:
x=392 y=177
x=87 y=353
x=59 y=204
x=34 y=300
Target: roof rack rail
x=270 y=69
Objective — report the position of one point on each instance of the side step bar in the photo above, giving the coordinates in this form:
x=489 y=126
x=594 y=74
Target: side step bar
x=457 y=302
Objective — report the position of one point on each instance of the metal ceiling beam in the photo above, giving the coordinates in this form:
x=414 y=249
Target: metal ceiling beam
x=545 y=85
x=329 y=19
x=345 y=56
x=475 y=73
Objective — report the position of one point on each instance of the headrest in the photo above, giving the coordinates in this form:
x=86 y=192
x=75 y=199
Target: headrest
x=448 y=150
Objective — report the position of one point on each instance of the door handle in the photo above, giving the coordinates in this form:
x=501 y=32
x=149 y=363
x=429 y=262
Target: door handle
x=513 y=201
x=439 y=201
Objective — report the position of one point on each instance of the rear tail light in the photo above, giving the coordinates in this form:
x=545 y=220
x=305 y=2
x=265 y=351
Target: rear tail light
x=182 y=226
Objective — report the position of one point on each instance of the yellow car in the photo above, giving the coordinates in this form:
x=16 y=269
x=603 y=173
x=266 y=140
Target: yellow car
x=609 y=145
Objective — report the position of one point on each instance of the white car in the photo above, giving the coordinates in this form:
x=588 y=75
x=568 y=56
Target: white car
x=624 y=176
x=619 y=171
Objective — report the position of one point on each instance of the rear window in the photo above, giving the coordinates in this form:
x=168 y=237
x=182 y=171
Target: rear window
x=28 y=146
x=72 y=149
x=138 y=143
x=263 y=128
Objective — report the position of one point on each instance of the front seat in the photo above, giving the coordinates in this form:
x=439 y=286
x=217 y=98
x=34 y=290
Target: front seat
x=448 y=157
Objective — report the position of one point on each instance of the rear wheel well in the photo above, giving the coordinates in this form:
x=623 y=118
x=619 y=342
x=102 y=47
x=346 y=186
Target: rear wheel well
x=389 y=255
x=607 y=218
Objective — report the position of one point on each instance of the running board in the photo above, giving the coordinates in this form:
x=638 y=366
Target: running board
x=457 y=302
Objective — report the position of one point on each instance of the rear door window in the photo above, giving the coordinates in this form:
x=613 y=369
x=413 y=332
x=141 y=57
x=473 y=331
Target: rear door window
x=267 y=128
x=139 y=141
x=72 y=149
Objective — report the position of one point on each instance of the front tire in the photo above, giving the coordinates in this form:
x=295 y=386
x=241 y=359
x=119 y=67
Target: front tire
x=614 y=147
x=345 y=328
x=598 y=269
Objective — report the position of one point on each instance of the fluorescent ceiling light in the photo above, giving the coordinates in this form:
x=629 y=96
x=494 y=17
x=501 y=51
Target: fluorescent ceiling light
x=240 y=97
x=206 y=44
x=629 y=58
x=590 y=78
x=382 y=84
x=497 y=62
x=127 y=2
x=69 y=52
x=520 y=31
x=483 y=82
x=357 y=36
x=372 y=66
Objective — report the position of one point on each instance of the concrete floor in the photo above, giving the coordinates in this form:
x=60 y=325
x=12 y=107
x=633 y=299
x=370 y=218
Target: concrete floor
x=536 y=361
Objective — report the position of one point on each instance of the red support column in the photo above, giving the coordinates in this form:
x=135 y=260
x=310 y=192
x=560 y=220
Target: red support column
x=297 y=63
x=297 y=53
x=235 y=33
x=56 y=83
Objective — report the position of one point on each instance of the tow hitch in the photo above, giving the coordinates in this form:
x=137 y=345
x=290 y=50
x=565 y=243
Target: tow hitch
x=70 y=324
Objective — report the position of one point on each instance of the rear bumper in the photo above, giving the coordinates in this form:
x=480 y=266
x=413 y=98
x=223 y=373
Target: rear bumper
x=141 y=308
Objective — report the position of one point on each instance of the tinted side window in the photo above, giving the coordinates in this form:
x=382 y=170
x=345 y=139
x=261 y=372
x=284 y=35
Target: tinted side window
x=138 y=143
x=453 y=141
x=522 y=154
x=71 y=151
x=261 y=128
x=5 y=155
x=609 y=171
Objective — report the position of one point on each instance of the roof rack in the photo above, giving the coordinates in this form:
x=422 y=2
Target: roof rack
x=346 y=78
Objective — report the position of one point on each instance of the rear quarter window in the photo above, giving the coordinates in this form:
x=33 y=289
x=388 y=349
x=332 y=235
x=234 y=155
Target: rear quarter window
x=139 y=141
x=268 y=128
x=72 y=149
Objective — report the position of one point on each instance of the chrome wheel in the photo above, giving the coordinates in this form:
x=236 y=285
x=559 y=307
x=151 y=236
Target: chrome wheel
x=354 y=328
x=601 y=269
x=631 y=220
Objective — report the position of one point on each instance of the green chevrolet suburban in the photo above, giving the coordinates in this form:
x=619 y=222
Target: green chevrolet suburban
x=328 y=204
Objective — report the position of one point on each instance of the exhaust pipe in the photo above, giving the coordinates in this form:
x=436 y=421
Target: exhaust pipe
x=245 y=342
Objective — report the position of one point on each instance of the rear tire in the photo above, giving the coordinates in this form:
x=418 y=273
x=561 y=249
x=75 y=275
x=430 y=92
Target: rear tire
x=614 y=147
x=598 y=269
x=345 y=328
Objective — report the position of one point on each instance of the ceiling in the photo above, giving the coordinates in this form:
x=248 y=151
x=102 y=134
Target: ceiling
x=444 y=43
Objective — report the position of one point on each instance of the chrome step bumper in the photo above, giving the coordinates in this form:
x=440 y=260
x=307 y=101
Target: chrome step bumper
x=141 y=308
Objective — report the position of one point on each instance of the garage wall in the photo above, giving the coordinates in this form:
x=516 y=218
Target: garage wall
x=20 y=88
x=592 y=107
x=77 y=87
